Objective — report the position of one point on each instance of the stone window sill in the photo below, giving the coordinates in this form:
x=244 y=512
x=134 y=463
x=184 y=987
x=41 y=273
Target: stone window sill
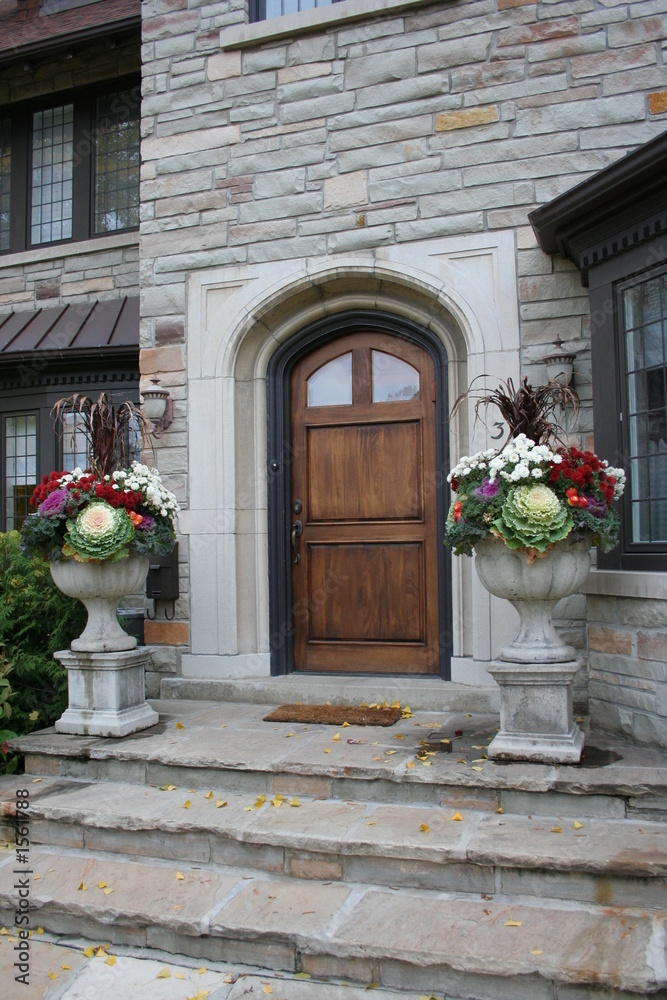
x=241 y=36
x=56 y=252
x=626 y=583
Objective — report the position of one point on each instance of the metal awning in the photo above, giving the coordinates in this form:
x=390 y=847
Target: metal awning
x=87 y=326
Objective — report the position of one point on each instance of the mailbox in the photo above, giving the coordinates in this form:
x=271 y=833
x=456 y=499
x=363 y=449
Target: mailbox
x=162 y=579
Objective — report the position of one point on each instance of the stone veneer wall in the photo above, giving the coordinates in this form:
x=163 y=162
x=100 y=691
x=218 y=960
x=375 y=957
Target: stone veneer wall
x=417 y=122
x=628 y=675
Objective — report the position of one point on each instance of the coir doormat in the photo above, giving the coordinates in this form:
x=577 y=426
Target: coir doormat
x=335 y=715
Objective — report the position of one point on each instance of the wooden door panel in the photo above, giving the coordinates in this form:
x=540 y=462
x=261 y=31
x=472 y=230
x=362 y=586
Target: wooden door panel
x=364 y=472
x=365 y=584
x=366 y=592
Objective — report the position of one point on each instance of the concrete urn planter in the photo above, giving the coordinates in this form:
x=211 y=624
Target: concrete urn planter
x=536 y=670
x=105 y=669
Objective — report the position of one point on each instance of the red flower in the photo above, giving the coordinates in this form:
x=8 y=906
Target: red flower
x=457 y=510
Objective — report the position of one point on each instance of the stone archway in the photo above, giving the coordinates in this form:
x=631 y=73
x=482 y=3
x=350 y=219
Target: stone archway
x=237 y=319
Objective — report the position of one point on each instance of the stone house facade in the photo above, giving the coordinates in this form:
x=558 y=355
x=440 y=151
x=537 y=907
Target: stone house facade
x=350 y=186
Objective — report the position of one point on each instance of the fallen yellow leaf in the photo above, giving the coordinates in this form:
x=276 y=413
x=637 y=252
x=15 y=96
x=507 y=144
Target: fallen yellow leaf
x=202 y=971
x=40 y=930
x=110 y=960
x=457 y=817
x=179 y=975
x=388 y=753
x=229 y=978
x=163 y=974
x=267 y=989
x=89 y=952
x=424 y=827
x=556 y=829
x=536 y=951
x=179 y=725
x=475 y=767
x=107 y=891
x=294 y=802
x=83 y=887
x=187 y=804
x=261 y=799
x=33 y=716
x=302 y=975
x=35 y=780
x=513 y=923
x=500 y=810
x=371 y=986
x=398 y=736
x=327 y=750
x=209 y=796
x=427 y=763
x=66 y=967
x=336 y=738
x=52 y=975
x=577 y=825
x=364 y=704
x=167 y=788
x=346 y=725
x=410 y=763
x=277 y=802
x=180 y=877
x=279 y=797
x=101 y=885
x=219 y=803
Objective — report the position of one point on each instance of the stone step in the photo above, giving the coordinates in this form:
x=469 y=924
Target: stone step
x=425 y=940
x=228 y=745
x=612 y=862
x=60 y=967
x=429 y=694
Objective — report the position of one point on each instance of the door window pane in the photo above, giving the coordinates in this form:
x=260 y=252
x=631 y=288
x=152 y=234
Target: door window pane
x=20 y=467
x=52 y=172
x=393 y=379
x=331 y=385
x=117 y=162
x=5 y=181
x=645 y=318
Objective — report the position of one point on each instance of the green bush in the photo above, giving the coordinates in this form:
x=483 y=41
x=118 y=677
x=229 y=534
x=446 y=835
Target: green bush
x=36 y=619
x=8 y=762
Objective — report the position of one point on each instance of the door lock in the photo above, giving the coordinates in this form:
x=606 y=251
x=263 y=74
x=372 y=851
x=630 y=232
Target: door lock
x=296 y=532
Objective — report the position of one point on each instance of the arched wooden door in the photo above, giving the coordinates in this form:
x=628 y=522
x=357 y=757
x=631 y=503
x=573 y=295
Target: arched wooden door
x=364 y=507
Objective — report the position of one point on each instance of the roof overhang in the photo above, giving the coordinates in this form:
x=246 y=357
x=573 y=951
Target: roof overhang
x=70 y=331
x=622 y=206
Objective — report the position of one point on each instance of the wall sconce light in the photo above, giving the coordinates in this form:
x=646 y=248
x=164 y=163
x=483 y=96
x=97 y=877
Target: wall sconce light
x=156 y=405
x=560 y=364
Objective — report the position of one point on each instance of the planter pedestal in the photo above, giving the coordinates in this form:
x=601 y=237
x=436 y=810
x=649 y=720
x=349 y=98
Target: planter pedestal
x=107 y=693
x=536 y=720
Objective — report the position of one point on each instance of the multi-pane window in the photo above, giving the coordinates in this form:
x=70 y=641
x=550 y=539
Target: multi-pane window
x=117 y=162
x=262 y=10
x=5 y=180
x=20 y=467
x=52 y=174
x=644 y=317
x=69 y=168
x=74 y=442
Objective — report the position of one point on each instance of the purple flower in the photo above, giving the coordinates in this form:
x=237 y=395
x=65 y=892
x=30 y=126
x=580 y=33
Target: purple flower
x=597 y=508
x=487 y=490
x=147 y=524
x=55 y=503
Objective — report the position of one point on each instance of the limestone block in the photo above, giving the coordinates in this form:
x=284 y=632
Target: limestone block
x=345 y=190
x=223 y=65
x=453 y=52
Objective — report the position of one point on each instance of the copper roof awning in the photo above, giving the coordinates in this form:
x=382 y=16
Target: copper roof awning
x=88 y=326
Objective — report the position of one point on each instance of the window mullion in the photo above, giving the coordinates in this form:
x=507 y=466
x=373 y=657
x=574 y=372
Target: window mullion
x=84 y=154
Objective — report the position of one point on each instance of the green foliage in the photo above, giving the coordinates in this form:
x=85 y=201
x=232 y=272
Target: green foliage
x=99 y=532
x=533 y=517
x=36 y=619
x=8 y=762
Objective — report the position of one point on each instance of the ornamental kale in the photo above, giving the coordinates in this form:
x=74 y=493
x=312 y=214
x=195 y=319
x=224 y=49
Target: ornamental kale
x=532 y=497
x=83 y=517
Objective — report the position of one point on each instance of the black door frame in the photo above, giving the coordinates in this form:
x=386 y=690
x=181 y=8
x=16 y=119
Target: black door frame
x=279 y=460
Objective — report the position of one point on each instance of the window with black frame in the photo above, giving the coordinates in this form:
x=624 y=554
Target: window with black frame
x=263 y=10
x=642 y=319
x=69 y=168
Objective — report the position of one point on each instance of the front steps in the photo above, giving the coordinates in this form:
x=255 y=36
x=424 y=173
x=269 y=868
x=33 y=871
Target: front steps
x=424 y=694
x=372 y=877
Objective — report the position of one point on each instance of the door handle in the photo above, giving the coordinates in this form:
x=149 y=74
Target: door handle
x=296 y=532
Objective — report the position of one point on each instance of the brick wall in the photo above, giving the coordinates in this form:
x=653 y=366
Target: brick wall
x=628 y=652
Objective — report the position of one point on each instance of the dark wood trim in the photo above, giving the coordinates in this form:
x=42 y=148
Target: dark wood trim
x=617 y=209
x=279 y=462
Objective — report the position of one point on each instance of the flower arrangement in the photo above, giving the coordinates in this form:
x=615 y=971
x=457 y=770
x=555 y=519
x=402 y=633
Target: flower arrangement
x=532 y=497
x=87 y=517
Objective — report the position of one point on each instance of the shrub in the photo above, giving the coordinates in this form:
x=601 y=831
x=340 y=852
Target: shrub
x=36 y=619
